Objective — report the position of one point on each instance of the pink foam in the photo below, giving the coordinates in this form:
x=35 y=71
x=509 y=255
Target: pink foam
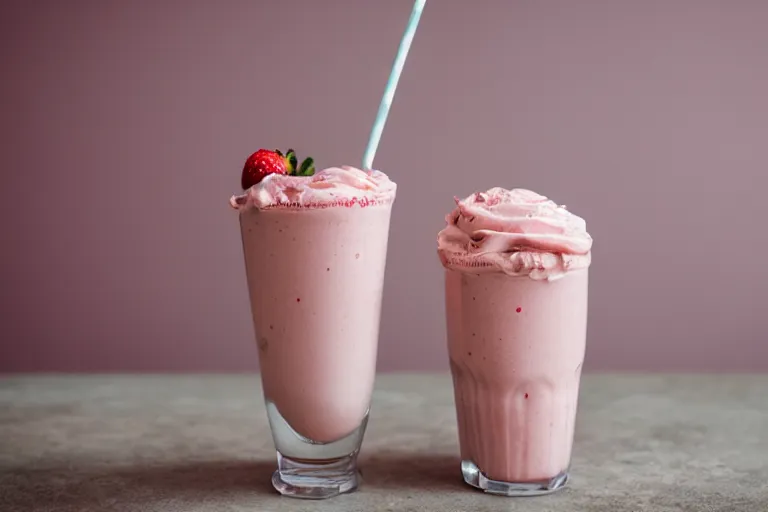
x=330 y=188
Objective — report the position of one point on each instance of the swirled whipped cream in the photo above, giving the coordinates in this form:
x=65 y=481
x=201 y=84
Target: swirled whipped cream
x=518 y=232
x=333 y=187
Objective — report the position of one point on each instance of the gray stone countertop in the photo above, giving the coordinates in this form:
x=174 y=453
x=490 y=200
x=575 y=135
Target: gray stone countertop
x=201 y=443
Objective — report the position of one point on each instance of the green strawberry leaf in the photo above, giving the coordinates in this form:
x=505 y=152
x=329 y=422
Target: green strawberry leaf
x=291 y=162
x=307 y=167
x=279 y=152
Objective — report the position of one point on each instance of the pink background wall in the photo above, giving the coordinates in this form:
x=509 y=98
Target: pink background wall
x=125 y=124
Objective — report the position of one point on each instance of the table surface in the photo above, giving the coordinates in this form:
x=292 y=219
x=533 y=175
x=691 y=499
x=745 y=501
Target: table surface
x=192 y=443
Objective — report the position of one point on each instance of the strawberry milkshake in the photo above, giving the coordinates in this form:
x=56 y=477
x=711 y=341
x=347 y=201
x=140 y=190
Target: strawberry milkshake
x=516 y=304
x=315 y=247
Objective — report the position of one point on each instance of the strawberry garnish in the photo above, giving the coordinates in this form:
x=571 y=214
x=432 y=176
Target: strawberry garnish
x=261 y=164
x=265 y=162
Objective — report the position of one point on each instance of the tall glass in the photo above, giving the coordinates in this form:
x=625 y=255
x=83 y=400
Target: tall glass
x=315 y=278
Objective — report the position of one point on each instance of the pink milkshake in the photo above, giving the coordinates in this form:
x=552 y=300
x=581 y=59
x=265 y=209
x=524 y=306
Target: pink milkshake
x=315 y=250
x=516 y=304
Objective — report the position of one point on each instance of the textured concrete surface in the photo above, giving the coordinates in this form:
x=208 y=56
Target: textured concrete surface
x=201 y=443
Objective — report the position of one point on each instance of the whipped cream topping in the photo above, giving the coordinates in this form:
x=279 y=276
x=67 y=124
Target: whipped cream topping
x=336 y=186
x=518 y=232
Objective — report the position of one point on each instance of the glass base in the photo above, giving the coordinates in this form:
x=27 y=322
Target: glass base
x=315 y=480
x=474 y=477
x=312 y=469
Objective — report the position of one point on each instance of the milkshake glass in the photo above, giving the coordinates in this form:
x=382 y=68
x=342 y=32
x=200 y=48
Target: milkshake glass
x=516 y=304
x=315 y=249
